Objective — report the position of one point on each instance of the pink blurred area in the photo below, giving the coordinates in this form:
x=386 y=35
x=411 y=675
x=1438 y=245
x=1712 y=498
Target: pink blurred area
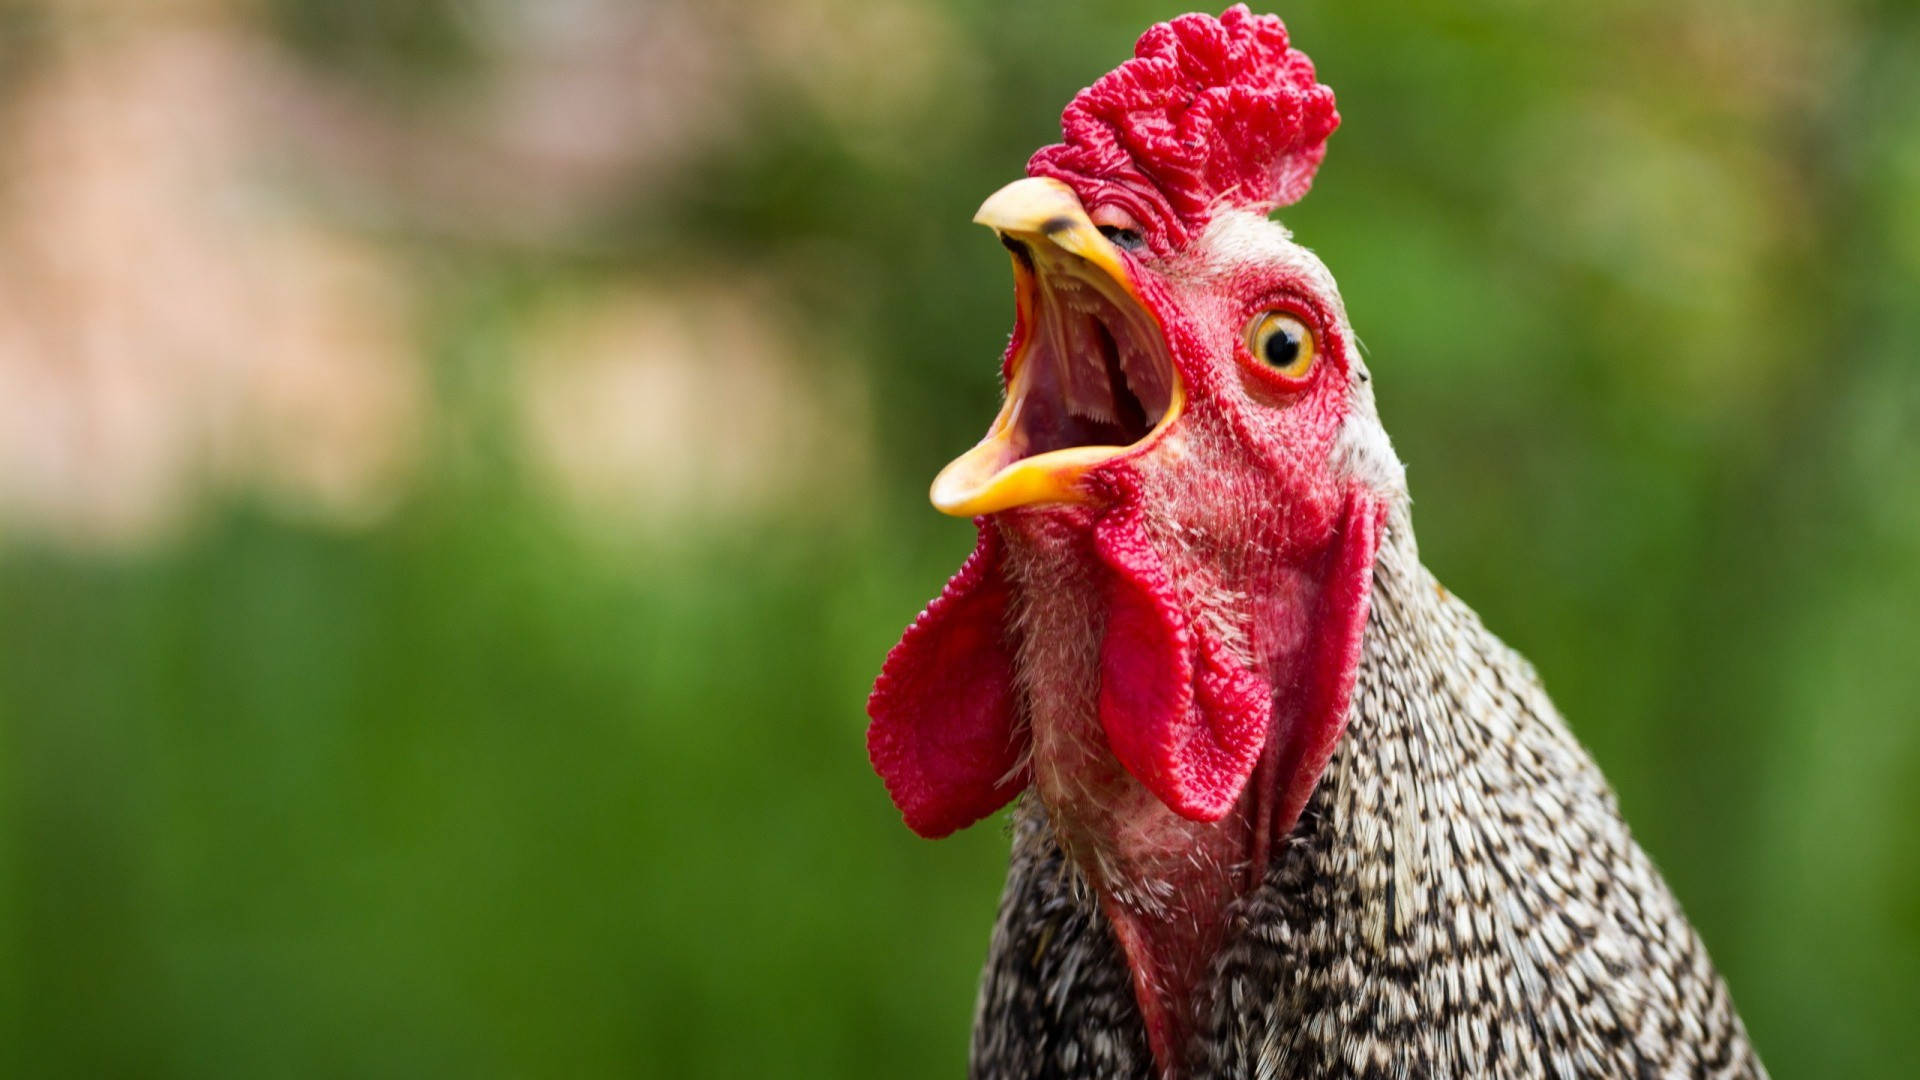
x=217 y=265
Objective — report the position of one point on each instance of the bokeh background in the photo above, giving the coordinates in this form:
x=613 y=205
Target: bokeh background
x=462 y=462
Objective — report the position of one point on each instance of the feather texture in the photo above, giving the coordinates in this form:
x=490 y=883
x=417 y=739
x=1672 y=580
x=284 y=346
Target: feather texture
x=1460 y=899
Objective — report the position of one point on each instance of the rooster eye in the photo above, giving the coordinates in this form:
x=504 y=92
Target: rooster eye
x=1124 y=239
x=1283 y=343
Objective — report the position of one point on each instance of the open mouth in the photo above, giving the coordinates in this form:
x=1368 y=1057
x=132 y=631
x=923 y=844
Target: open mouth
x=1094 y=371
x=1092 y=380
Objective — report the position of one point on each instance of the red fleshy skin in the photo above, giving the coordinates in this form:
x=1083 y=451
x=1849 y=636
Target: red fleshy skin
x=1237 y=708
x=1208 y=112
x=943 y=736
x=1185 y=719
x=1325 y=692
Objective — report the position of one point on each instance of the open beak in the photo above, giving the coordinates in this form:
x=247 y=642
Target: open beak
x=1091 y=379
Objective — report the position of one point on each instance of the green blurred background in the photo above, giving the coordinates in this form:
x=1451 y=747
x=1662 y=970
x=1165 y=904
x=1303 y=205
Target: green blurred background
x=462 y=462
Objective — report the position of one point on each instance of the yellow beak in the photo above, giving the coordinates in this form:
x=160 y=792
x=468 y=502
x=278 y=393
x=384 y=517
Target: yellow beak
x=1042 y=220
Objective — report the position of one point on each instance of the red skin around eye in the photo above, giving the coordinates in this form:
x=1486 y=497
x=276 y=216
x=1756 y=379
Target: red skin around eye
x=1113 y=217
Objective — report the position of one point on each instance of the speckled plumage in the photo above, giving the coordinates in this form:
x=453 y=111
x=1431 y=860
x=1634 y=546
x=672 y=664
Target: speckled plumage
x=1460 y=899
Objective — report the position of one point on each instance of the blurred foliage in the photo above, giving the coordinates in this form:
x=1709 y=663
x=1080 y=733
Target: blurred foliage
x=396 y=48
x=492 y=787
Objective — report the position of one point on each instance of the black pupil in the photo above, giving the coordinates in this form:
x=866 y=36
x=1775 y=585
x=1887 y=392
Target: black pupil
x=1283 y=346
x=1125 y=239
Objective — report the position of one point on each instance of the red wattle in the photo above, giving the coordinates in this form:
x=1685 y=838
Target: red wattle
x=1318 y=706
x=943 y=736
x=1184 y=718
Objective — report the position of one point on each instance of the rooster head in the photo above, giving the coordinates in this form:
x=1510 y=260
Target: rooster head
x=1187 y=418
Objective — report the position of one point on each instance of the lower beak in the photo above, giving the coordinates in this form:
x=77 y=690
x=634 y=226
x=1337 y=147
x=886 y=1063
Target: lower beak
x=1090 y=380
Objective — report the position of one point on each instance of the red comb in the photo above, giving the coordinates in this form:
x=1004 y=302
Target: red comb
x=1208 y=112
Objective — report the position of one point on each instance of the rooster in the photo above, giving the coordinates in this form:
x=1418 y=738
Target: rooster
x=1289 y=809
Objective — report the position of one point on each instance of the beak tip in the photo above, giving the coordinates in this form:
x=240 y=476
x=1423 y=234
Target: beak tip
x=1023 y=203
x=951 y=493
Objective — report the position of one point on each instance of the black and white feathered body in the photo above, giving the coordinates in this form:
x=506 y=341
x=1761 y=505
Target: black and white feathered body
x=1460 y=899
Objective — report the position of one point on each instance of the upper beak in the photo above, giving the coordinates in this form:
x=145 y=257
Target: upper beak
x=1055 y=246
